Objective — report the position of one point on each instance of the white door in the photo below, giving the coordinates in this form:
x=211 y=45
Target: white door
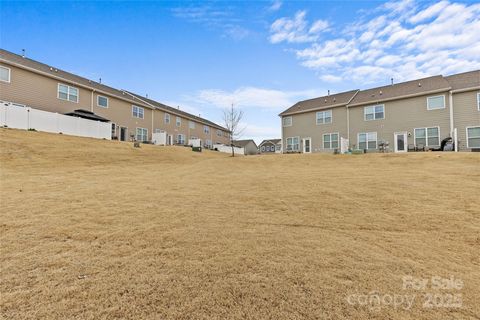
x=307 y=145
x=401 y=142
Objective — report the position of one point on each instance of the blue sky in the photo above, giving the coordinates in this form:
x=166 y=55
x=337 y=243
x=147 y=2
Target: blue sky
x=261 y=56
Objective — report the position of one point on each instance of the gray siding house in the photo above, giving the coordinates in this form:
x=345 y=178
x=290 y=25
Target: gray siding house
x=249 y=146
x=412 y=115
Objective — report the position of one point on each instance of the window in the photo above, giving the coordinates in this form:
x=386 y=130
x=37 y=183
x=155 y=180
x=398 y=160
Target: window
x=208 y=143
x=191 y=125
x=167 y=118
x=142 y=134
x=427 y=136
x=4 y=74
x=263 y=148
x=278 y=147
x=181 y=139
x=287 y=121
x=114 y=130
x=437 y=102
x=374 y=112
x=268 y=148
x=473 y=137
x=102 y=101
x=367 y=140
x=206 y=129
x=225 y=134
x=293 y=144
x=137 y=112
x=219 y=133
x=324 y=117
x=478 y=101
x=67 y=93
x=178 y=121
x=330 y=141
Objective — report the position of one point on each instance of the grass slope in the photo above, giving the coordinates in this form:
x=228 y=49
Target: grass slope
x=94 y=229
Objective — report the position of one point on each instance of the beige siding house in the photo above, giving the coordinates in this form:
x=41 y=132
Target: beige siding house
x=413 y=115
x=30 y=83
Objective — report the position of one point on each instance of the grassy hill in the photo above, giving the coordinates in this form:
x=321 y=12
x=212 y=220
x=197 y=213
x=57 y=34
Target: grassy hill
x=94 y=229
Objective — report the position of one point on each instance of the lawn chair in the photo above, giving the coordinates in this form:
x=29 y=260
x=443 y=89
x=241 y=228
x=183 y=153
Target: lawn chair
x=411 y=148
x=420 y=147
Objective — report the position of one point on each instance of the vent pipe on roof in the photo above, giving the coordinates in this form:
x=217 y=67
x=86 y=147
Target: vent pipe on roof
x=178 y=107
x=391 y=79
x=146 y=95
x=23 y=53
x=328 y=92
x=100 y=80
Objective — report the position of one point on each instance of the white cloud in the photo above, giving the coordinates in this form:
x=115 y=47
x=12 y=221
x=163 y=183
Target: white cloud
x=276 y=5
x=296 y=30
x=251 y=97
x=400 y=39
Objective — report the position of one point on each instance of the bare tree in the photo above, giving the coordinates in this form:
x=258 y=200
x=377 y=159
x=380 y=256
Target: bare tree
x=232 y=118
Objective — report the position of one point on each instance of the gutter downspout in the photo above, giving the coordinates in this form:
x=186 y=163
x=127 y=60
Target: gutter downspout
x=91 y=102
x=348 y=124
x=452 y=128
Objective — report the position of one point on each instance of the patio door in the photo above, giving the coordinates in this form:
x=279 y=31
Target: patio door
x=123 y=134
x=401 y=142
x=307 y=145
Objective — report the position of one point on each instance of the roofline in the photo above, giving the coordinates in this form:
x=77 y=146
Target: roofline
x=465 y=89
x=134 y=96
x=319 y=108
x=265 y=141
x=57 y=77
x=400 y=97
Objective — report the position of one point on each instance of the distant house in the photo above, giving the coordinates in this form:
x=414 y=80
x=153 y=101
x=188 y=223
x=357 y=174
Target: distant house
x=270 y=146
x=249 y=146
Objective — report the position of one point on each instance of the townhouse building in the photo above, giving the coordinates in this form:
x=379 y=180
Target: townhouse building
x=26 y=82
x=413 y=115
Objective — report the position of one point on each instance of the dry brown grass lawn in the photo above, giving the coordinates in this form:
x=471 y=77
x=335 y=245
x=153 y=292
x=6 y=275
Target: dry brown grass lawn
x=99 y=230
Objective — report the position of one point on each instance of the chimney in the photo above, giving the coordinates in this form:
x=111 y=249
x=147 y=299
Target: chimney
x=391 y=79
x=100 y=80
x=23 y=53
x=328 y=92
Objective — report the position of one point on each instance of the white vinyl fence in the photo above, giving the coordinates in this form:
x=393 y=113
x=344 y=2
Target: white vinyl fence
x=228 y=149
x=28 y=118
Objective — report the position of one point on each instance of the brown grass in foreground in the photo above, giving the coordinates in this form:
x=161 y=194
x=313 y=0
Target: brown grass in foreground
x=99 y=230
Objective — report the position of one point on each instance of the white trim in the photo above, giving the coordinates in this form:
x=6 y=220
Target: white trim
x=138 y=108
x=286 y=144
x=9 y=74
x=303 y=146
x=178 y=121
x=120 y=133
x=165 y=117
x=68 y=92
x=405 y=141
x=398 y=97
x=374 y=113
x=444 y=102
x=114 y=134
x=426 y=136
x=466 y=134
x=330 y=134
x=478 y=101
x=98 y=105
x=191 y=124
x=324 y=117
x=283 y=121
x=206 y=129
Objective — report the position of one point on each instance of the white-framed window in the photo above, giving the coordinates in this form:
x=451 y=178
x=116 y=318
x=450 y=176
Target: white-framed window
x=67 y=93
x=478 y=101
x=167 y=118
x=278 y=147
x=5 y=74
x=268 y=148
x=367 y=140
x=178 y=121
x=287 y=121
x=180 y=139
x=141 y=134
x=436 y=102
x=293 y=144
x=191 y=124
x=330 y=141
x=206 y=129
x=219 y=133
x=225 y=134
x=374 y=112
x=263 y=148
x=324 y=117
x=427 y=136
x=102 y=101
x=473 y=137
x=137 y=112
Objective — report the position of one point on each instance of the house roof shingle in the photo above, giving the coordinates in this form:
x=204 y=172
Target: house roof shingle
x=414 y=87
x=333 y=100
x=464 y=80
x=16 y=59
x=243 y=143
x=274 y=141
